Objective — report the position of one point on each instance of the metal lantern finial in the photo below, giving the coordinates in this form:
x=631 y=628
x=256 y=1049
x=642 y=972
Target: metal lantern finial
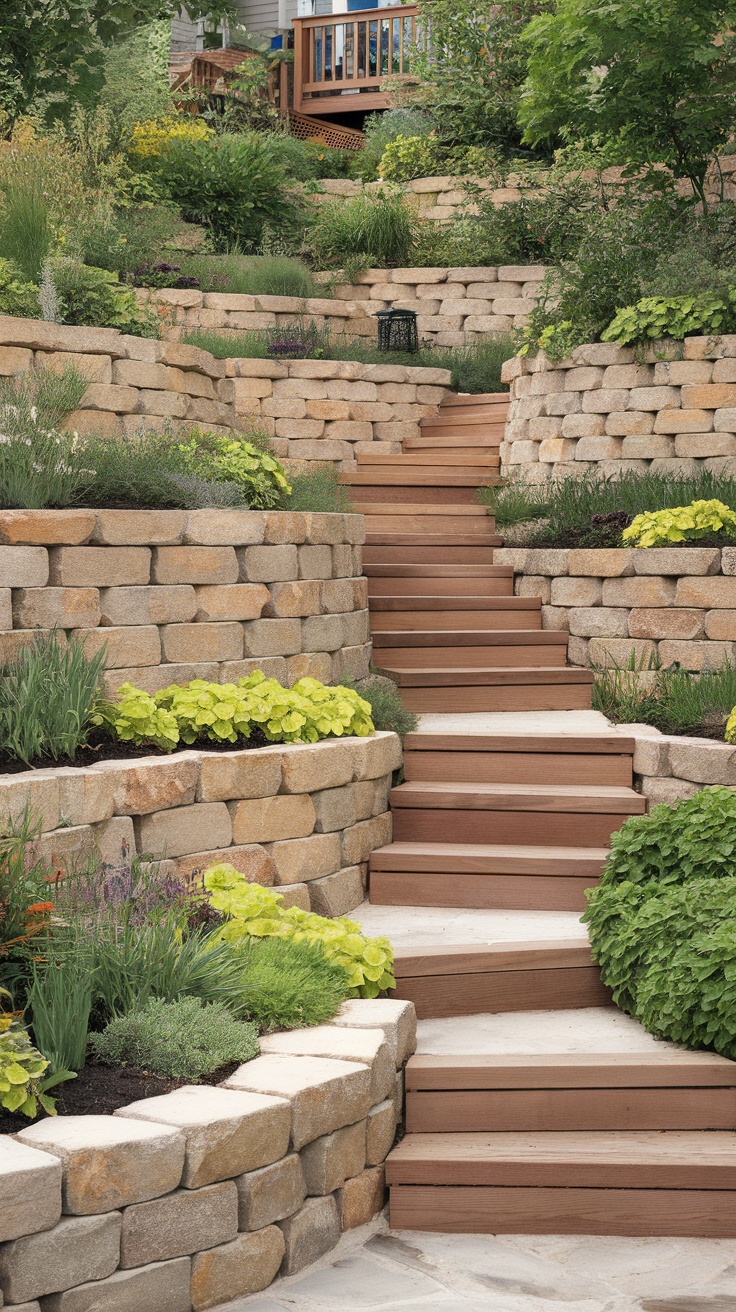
x=397 y=330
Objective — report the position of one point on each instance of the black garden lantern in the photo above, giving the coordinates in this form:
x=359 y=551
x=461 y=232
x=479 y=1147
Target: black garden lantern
x=397 y=330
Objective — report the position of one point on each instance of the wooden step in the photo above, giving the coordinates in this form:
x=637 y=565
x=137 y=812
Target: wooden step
x=546 y=694
x=501 y=758
x=485 y=439
x=399 y=569
x=429 y=511
x=618 y=1091
x=558 y=815
x=410 y=478
x=441 y=605
x=490 y=618
x=485 y=539
x=394 y=583
x=596 y=1182
x=422 y=553
x=499 y=977
x=496 y=654
x=443 y=521
x=411 y=460
x=484 y=876
x=475 y=399
x=427 y=494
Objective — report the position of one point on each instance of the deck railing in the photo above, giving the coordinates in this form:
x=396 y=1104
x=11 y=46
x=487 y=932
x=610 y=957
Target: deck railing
x=341 y=60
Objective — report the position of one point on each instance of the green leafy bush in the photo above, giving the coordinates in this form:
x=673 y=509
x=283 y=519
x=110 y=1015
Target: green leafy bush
x=660 y=528
x=184 y=1040
x=384 y=699
x=136 y=718
x=377 y=226
x=655 y=317
x=663 y=920
x=48 y=696
x=22 y=1068
x=288 y=983
x=251 y=909
x=96 y=298
x=258 y=475
x=380 y=130
x=17 y=297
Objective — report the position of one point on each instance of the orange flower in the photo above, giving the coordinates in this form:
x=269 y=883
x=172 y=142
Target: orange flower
x=40 y=908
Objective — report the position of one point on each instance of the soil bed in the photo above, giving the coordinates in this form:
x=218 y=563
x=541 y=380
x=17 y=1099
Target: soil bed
x=104 y=748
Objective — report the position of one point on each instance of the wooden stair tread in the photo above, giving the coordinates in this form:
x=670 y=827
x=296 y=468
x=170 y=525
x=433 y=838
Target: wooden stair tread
x=419 y=508
x=568 y=1070
x=488 y=958
x=400 y=477
x=409 y=459
x=471 y=637
x=486 y=742
x=456 y=676
x=425 y=601
x=486 y=540
x=519 y=797
x=489 y=858
x=433 y=571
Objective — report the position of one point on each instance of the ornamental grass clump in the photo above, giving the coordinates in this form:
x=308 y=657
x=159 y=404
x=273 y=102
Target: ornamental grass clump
x=662 y=921
x=251 y=909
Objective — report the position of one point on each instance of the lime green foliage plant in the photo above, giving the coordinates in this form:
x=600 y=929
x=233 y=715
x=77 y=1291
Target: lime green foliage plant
x=22 y=1070
x=259 y=475
x=153 y=137
x=251 y=909
x=662 y=921
x=136 y=718
x=680 y=524
x=17 y=295
x=654 y=317
x=95 y=297
x=186 y=1039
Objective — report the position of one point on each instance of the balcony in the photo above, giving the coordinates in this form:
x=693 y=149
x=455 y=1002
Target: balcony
x=341 y=60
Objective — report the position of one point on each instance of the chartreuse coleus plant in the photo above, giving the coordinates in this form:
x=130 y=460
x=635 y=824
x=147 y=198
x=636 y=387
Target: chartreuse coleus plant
x=23 y=1079
x=662 y=921
x=254 y=911
x=655 y=317
x=227 y=712
x=659 y=528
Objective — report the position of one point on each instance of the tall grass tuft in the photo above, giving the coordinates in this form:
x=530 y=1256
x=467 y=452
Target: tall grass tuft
x=48 y=695
x=674 y=700
x=60 y=999
x=289 y=984
x=25 y=228
x=319 y=490
x=377 y=226
x=253 y=275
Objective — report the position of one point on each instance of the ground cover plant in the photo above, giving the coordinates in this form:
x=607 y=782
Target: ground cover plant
x=631 y=509
x=662 y=920
x=674 y=700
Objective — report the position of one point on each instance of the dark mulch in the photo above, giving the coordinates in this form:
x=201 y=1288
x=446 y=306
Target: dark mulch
x=99 y=1090
x=103 y=748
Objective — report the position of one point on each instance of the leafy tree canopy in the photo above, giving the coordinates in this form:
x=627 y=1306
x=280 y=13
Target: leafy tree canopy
x=656 y=77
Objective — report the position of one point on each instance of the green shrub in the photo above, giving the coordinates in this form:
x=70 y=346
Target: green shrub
x=675 y=700
x=288 y=983
x=376 y=226
x=22 y=1071
x=661 y=528
x=384 y=699
x=258 y=475
x=253 y=275
x=48 y=695
x=40 y=399
x=183 y=1040
x=655 y=317
x=145 y=470
x=94 y=297
x=25 y=225
x=233 y=185
x=123 y=241
x=319 y=491
x=380 y=130
x=663 y=917
x=251 y=909
x=17 y=296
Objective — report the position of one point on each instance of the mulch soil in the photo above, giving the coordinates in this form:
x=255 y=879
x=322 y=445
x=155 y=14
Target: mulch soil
x=103 y=748
x=99 y=1090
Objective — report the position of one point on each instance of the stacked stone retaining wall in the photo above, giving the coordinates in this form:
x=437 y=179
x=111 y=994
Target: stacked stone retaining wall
x=198 y=1197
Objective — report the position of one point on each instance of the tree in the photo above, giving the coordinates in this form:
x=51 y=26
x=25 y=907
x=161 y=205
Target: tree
x=655 y=77
x=52 y=51
x=472 y=70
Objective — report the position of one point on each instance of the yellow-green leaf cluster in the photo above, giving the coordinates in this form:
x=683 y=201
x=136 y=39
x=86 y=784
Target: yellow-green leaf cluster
x=154 y=136
x=227 y=712
x=253 y=910
x=659 y=528
x=21 y=1068
x=731 y=727
x=259 y=476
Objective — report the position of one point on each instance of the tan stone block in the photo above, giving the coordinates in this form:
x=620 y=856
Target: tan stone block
x=533 y=585
x=361 y=839
x=147 y=605
x=44 y=608
x=324 y=1093
x=579 y=425
x=659 y=398
x=705 y=445
x=718 y=624
x=617 y=651
x=284 y=526
x=302 y=859
x=45 y=527
x=65 y=849
x=338 y=894
x=271 y=819
x=628 y=375
x=284 y=407
x=380 y=1132
x=576 y=592
x=583 y=379
x=30 y=1190
x=677 y=372
x=140 y=644
x=24 y=567
x=667 y=790
x=271 y=1193
x=103 y=423
x=222 y=528
x=108 y=1163
x=363 y=1197
x=250 y=773
x=179 y=1224
x=598 y=621
x=169 y=405
x=709 y=396
x=268 y=564
x=553 y=449
x=106 y=396
x=293 y=599
x=235 y=601
x=629 y=423
x=233 y=1270
x=334 y=1158
x=152 y=783
x=644 y=590
x=115 y=842
x=684 y=421
x=702 y=762
x=598 y=448
x=269 y=637
x=122 y=528
x=724 y=421
x=15 y=360
x=708 y=593
x=362 y=1045
x=202 y=642
x=674 y=622
x=676 y=560
x=97 y=566
x=246 y=390
x=85 y=796
x=140 y=373
x=707 y=655
x=728 y=560
x=251 y=860
x=186 y=829
x=152 y=1288
x=328 y=409
x=655 y=446
x=605 y=399
x=310 y=1233
x=608 y=562
x=314 y=765
x=192 y=564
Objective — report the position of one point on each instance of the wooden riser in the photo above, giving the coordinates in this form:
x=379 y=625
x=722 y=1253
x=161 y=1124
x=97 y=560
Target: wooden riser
x=405 y=543
x=467 y=525
x=540 y=1110
x=490 y=586
x=439 y=495
x=388 y=622
x=632 y=1212
x=517 y=767
x=478 y=892
x=553 y=697
x=561 y=829
x=373 y=477
x=408 y=602
x=459 y=460
x=486 y=439
x=480 y=657
x=502 y=991
x=376 y=553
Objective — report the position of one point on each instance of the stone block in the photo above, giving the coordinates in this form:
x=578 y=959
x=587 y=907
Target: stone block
x=707 y=655
x=643 y=590
x=629 y=423
x=195 y=564
x=185 y=829
x=553 y=449
x=14 y=360
x=179 y=1224
x=237 y=1269
x=337 y=894
x=270 y=819
x=202 y=642
x=684 y=421
x=324 y=1093
x=598 y=621
x=151 y=783
x=139 y=645
x=147 y=605
x=334 y=1158
x=604 y=400
x=576 y=592
x=160 y=1287
x=608 y=562
x=271 y=637
x=378 y=755
x=30 y=1189
x=380 y=1132
x=659 y=398
x=598 y=448
x=45 y=528
x=319 y=765
x=309 y=1233
x=676 y=560
x=115 y=842
x=65 y=608
x=108 y=1162
x=709 y=396
x=99 y=567
x=296 y=895
x=227 y=1131
x=671 y=622
x=616 y=651
x=395 y=1017
x=724 y=421
x=583 y=379
x=315 y=562
x=628 y=375
x=284 y=526
x=236 y=601
x=583 y=425
x=361 y=1198
x=226 y=775
x=362 y=1045
x=24 y=567
x=251 y=860
x=271 y=1193
x=302 y=859
x=108 y=396
x=360 y=840
x=130 y=528
x=335 y=808
x=78 y=1249
x=707 y=593
x=677 y=372
x=667 y=790
x=234 y=528
x=267 y=564
x=728 y=561
x=719 y=624
x=705 y=446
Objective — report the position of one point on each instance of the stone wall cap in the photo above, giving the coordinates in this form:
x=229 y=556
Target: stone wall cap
x=79 y=1132
x=199 y=1104
x=15 y=1155
x=290 y=1075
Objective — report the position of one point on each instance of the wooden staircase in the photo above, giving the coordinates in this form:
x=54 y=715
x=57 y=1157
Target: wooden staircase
x=428 y=539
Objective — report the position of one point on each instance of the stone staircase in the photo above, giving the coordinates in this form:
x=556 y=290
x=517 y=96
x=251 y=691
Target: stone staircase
x=510 y=816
